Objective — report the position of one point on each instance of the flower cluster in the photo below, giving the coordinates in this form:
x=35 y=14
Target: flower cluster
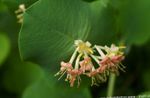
x=96 y=62
x=20 y=12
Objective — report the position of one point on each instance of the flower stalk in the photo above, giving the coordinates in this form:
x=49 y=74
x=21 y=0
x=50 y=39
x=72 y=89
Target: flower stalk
x=111 y=85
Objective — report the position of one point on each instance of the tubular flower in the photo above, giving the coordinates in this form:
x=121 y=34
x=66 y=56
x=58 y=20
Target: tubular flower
x=20 y=12
x=84 y=61
x=86 y=64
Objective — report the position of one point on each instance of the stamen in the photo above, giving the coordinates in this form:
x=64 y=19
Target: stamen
x=67 y=77
x=120 y=68
x=122 y=65
x=58 y=73
x=93 y=68
x=62 y=74
x=79 y=80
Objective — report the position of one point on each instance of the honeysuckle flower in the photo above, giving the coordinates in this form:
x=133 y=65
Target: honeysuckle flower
x=102 y=69
x=20 y=12
x=65 y=67
x=112 y=59
x=86 y=64
x=116 y=59
x=96 y=77
x=72 y=75
x=84 y=47
x=85 y=61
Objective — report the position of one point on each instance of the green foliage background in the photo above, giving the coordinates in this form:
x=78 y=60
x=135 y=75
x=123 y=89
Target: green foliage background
x=46 y=37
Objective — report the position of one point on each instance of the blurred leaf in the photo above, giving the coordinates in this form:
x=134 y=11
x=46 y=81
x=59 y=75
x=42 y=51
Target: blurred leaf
x=4 y=47
x=8 y=24
x=133 y=20
x=51 y=34
x=122 y=20
x=89 y=0
x=20 y=75
x=48 y=89
x=146 y=79
x=103 y=29
x=3 y=7
x=144 y=95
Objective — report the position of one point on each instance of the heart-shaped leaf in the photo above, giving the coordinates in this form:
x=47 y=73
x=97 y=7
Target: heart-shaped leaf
x=51 y=27
x=48 y=31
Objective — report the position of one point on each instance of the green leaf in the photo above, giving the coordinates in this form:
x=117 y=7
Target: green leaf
x=49 y=89
x=9 y=25
x=48 y=32
x=126 y=21
x=4 y=47
x=144 y=95
x=146 y=79
x=89 y=0
x=20 y=75
x=3 y=7
x=103 y=31
x=133 y=20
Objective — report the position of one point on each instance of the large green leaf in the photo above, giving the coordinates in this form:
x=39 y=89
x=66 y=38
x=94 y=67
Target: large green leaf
x=48 y=37
x=50 y=28
x=133 y=20
x=49 y=89
x=4 y=47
